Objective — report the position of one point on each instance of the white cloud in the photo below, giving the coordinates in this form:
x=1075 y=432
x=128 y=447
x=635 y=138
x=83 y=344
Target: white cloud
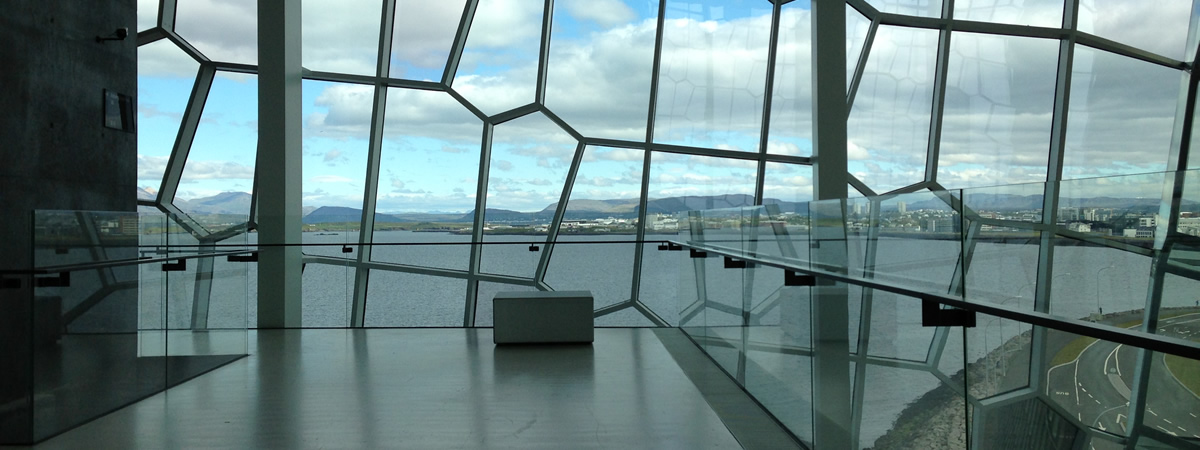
x=606 y=13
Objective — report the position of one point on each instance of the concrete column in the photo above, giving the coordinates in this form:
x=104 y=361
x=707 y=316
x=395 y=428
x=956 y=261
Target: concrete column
x=830 y=315
x=279 y=170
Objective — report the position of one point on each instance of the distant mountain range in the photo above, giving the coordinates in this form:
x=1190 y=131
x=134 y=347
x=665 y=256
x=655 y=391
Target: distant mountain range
x=239 y=203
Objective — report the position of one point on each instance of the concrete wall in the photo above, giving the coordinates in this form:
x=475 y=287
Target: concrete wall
x=55 y=152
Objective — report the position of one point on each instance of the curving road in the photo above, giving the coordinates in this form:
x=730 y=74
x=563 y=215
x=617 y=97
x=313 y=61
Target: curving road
x=1096 y=386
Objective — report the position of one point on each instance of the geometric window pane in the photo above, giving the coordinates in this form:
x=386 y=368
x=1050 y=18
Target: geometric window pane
x=999 y=103
x=147 y=14
x=326 y=290
x=791 y=99
x=893 y=418
x=888 y=129
x=1160 y=27
x=896 y=330
x=225 y=31
x=425 y=134
x=219 y=172
x=787 y=185
x=334 y=161
x=602 y=206
x=530 y=159
x=1121 y=117
x=498 y=70
x=340 y=35
x=165 y=79
x=712 y=74
x=600 y=66
x=1038 y=13
x=1093 y=282
x=424 y=33
x=397 y=299
x=925 y=8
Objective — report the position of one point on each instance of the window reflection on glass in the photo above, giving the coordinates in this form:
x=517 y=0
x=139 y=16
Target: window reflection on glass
x=219 y=174
x=420 y=198
x=791 y=97
x=223 y=31
x=165 y=79
x=857 y=27
x=1038 y=13
x=498 y=70
x=1121 y=117
x=712 y=75
x=1162 y=29
x=340 y=35
x=999 y=106
x=888 y=129
x=601 y=55
x=422 y=37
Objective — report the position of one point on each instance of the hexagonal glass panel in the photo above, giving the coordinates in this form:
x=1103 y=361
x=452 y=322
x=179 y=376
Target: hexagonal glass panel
x=926 y=413
x=1162 y=29
x=1038 y=13
x=222 y=31
x=998 y=109
x=896 y=329
x=530 y=159
x=147 y=14
x=419 y=199
x=602 y=207
x=1121 y=117
x=328 y=291
x=340 y=36
x=422 y=37
x=601 y=61
x=712 y=74
x=334 y=162
x=398 y=299
x=499 y=65
x=165 y=79
x=219 y=174
x=888 y=129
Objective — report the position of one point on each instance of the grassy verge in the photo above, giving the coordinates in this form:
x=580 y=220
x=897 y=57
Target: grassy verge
x=1186 y=370
x=1074 y=348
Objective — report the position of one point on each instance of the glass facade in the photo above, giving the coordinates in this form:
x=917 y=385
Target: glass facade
x=484 y=146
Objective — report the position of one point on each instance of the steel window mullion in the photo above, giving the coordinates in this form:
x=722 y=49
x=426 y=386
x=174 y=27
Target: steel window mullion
x=485 y=157
x=544 y=52
x=559 y=212
x=941 y=68
x=861 y=67
x=768 y=99
x=460 y=41
x=651 y=110
x=187 y=133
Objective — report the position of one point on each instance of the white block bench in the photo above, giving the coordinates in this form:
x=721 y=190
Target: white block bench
x=543 y=317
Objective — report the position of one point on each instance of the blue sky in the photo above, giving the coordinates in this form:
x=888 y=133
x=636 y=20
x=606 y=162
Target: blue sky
x=711 y=95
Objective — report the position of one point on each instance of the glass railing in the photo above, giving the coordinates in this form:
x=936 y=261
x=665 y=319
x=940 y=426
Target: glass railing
x=977 y=318
x=117 y=312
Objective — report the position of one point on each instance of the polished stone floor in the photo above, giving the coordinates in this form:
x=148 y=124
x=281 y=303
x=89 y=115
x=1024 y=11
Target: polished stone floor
x=446 y=388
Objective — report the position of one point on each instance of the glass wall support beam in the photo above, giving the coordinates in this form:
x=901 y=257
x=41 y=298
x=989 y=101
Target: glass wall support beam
x=832 y=410
x=485 y=157
x=280 y=149
x=643 y=197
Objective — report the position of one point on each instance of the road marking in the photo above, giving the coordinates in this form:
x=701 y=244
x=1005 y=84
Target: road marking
x=1080 y=416
x=1090 y=396
x=1193 y=415
x=1097 y=401
x=1152 y=412
x=1168 y=421
x=1172 y=433
x=1082 y=389
x=1181 y=428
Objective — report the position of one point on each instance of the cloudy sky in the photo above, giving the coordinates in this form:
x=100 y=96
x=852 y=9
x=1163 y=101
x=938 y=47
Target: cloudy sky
x=711 y=94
